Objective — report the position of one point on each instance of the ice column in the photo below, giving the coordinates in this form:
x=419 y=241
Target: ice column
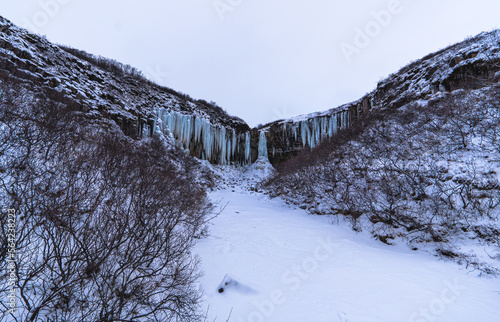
x=248 y=156
x=315 y=130
x=214 y=143
x=263 y=145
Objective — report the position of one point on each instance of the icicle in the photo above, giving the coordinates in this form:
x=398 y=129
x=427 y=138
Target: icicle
x=247 y=148
x=234 y=144
x=303 y=133
x=263 y=145
x=221 y=138
x=317 y=131
x=145 y=130
x=220 y=145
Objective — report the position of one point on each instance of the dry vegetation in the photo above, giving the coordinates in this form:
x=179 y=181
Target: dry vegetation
x=427 y=173
x=105 y=224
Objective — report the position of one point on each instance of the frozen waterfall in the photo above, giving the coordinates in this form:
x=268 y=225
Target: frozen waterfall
x=314 y=130
x=263 y=145
x=223 y=145
x=204 y=140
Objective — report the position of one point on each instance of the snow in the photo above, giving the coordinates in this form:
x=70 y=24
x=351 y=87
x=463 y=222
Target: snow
x=281 y=264
x=259 y=170
x=308 y=116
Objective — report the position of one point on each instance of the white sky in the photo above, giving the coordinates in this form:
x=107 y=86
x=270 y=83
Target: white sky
x=259 y=59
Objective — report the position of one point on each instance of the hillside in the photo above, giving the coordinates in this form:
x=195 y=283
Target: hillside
x=98 y=221
x=103 y=87
x=420 y=164
x=471 y=64
x=97 y=224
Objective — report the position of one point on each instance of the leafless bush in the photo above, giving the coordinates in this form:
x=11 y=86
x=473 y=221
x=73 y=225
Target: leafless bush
x=425 y=173
x=105 y=225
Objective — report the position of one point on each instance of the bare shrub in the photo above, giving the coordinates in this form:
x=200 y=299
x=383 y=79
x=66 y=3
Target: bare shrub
x=105 y=225
x=425 y=172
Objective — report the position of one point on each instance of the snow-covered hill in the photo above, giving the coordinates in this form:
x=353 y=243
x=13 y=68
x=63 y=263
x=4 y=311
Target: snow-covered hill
x=427 y=173
x=418 y=161
x=108 y=90
x=471 y=64
x=104 y=86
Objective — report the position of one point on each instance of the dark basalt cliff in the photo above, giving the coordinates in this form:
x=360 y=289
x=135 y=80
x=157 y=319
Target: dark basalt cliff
x=97 y=84
x=107 y=90
x=472 y=64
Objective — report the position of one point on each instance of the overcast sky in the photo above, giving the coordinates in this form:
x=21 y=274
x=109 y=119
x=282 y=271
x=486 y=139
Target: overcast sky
x=260 y=59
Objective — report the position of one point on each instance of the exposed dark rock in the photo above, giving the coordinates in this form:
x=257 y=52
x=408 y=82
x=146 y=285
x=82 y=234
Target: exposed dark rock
x=120 y=93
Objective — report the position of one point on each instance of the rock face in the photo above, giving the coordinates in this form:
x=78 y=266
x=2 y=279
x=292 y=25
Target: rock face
x=109 y=91
x=286 y=138
x=471 y=64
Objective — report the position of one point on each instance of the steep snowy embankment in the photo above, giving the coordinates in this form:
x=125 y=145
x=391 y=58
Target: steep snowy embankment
x=281 y=264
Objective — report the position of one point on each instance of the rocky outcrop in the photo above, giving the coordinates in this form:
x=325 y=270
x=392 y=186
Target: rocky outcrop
x=472 y=64
x=102 y=88
x=286 y=137
x=107 y=90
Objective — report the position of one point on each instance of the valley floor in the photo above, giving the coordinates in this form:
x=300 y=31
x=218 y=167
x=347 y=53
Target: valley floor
x=281 y=264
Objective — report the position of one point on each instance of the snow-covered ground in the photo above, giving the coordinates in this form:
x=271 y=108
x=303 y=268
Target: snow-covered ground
x=266 y=261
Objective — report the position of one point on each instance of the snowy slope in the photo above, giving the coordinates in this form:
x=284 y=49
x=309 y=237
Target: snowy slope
x=425 y=175
x=108 y=91
x=117 y=91
x=281 y=264
x=471 y=64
